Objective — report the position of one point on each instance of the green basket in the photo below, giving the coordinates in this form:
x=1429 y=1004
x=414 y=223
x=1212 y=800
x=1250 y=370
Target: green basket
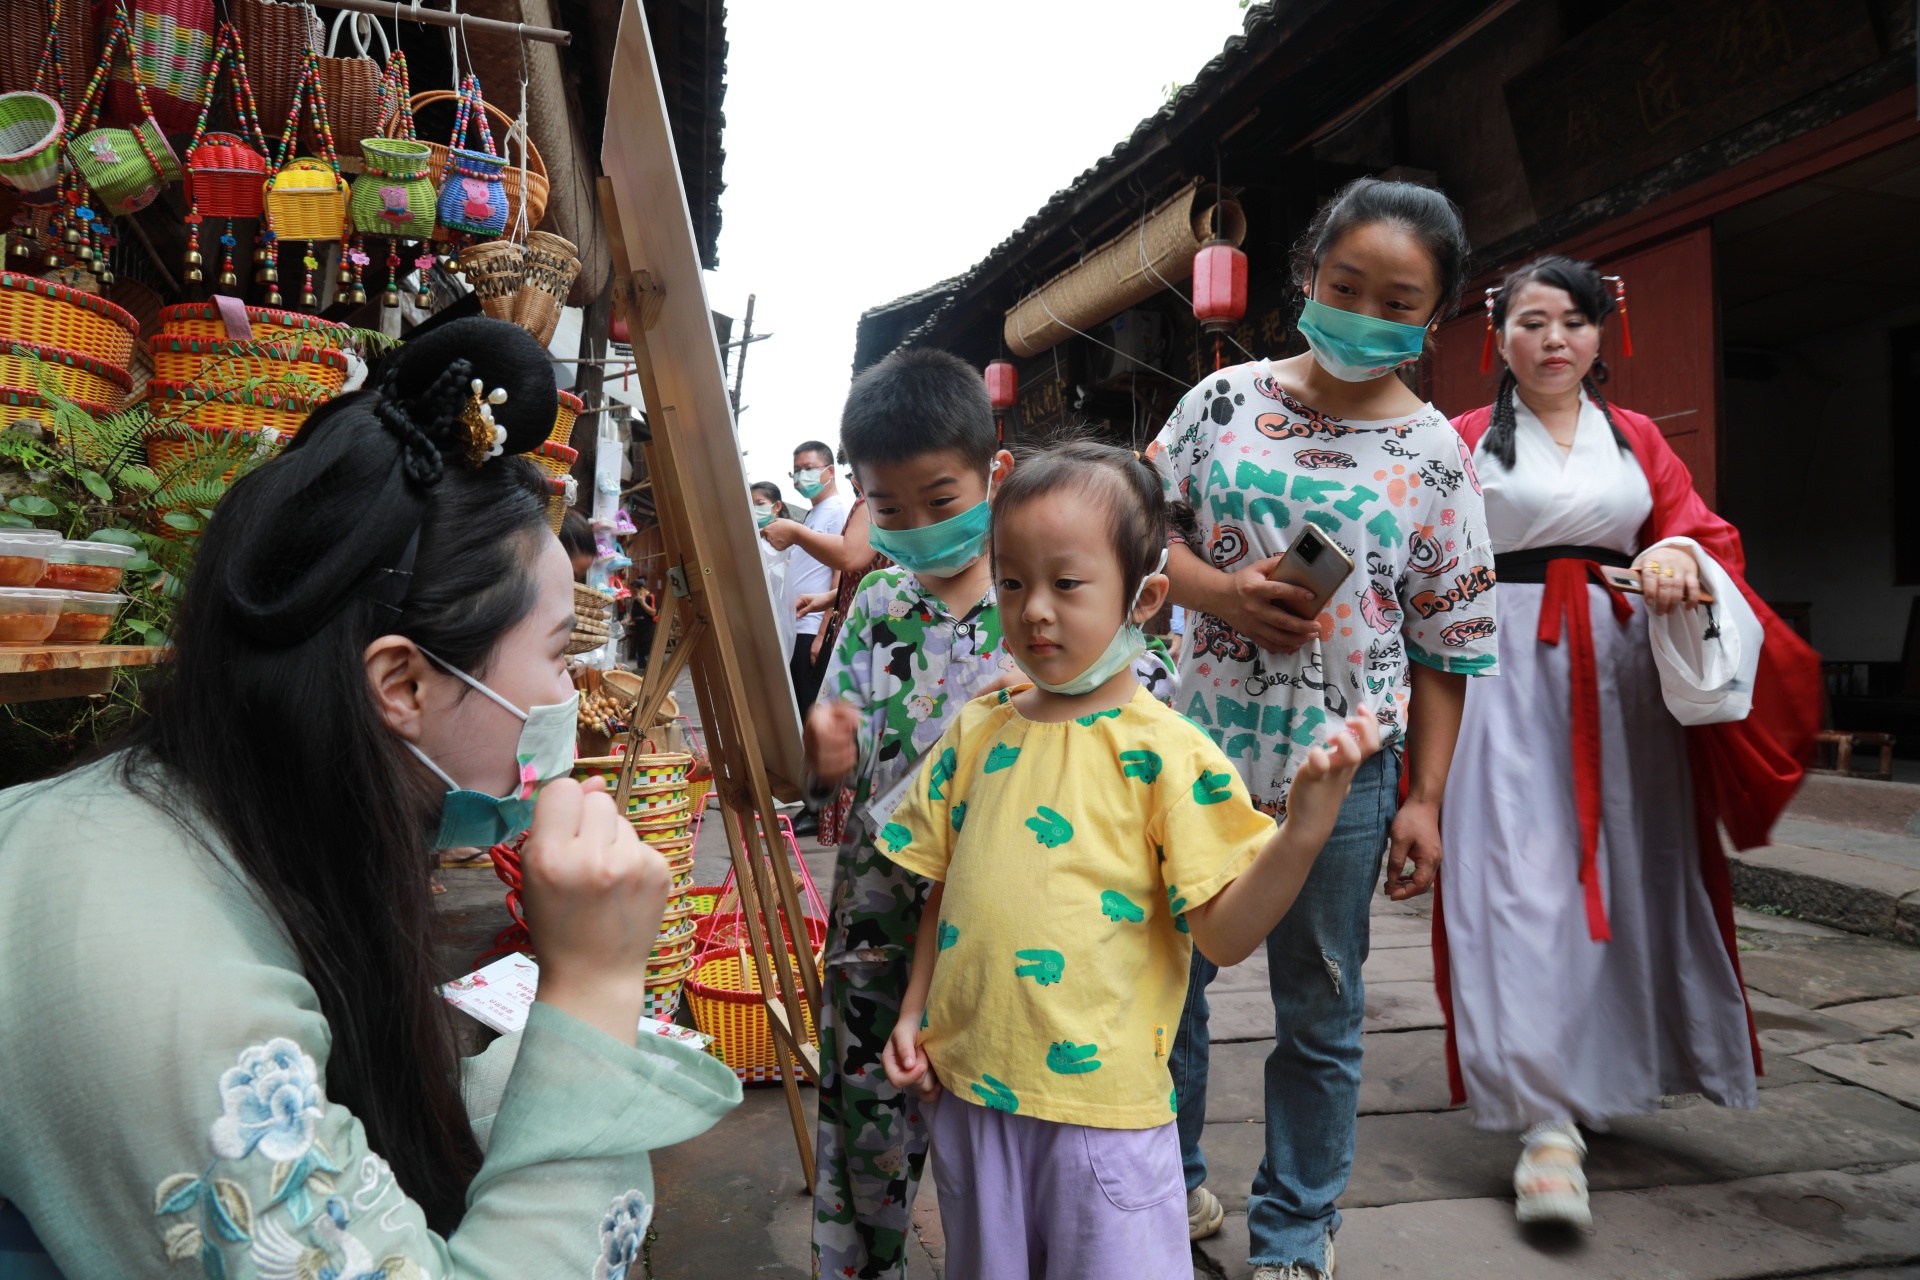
x=115 y=166
x=30 y=129
x=394 y=195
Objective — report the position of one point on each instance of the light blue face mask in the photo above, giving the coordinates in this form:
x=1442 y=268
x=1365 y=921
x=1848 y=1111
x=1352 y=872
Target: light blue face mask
x=475 y=820
x=1357 y=348
x=810 y=481
x=939 y=550
x=764 y=515
x=1128 y=643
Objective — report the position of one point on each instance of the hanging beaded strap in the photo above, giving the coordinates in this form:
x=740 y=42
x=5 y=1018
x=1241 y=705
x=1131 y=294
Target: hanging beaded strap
x=120 y=36
x=472 y=109
x=239 y=87
x=50 y=57
x=396 y=98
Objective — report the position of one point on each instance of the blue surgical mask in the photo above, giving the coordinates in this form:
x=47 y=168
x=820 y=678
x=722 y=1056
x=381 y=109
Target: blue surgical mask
x=475 y=820
x=1127 y=644
x=939 y=550
x=810 y=481
x=764 y=516
x=1357 y=348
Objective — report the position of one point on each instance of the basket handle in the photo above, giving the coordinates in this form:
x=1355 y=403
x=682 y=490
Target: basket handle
x=396 y=101
x=353 y=29
x=226 y=46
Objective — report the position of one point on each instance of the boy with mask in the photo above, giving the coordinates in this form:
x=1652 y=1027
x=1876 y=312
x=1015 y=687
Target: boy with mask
x=919 y=641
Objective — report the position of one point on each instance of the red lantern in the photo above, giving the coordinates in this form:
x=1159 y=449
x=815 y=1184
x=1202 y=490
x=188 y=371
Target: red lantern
x=1003 y=382
x=1219 y=286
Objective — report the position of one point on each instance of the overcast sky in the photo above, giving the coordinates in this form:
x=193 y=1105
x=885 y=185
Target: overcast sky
x=875 y=147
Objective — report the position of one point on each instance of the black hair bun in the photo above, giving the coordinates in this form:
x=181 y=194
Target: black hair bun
x=503 y=356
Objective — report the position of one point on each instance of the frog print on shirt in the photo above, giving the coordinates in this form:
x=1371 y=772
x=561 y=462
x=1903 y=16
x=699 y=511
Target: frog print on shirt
x=996 y=1094
x=1144 y=765
x=1043 y=966
x=1001 y=757
x=1120 y=909
x=1050 y=828
x=1069 y=1059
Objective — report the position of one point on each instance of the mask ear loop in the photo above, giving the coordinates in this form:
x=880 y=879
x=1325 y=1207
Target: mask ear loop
x=458 y=674
x=1158 y=568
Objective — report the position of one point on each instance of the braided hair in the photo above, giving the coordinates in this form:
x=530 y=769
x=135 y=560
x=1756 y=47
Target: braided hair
x=1582 y=283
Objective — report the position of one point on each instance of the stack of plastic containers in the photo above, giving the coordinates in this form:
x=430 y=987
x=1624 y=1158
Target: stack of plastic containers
x=58 y=592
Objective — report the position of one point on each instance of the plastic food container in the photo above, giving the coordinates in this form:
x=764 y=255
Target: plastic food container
x=23 y=560
x=28 y=615
x=87 y=566
x=86 y=617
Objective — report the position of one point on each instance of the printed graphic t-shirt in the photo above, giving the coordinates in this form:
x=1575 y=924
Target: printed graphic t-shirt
x=1399 y=496
x=1069 y=852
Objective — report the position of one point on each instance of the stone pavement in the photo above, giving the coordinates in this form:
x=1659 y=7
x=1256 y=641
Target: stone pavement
x=1847 y=853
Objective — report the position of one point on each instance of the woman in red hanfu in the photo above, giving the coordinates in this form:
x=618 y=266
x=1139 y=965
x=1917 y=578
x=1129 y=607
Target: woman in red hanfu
x=1586 y=952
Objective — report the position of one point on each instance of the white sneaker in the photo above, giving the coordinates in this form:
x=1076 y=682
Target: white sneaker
x=1555 y=1189
x=1298 y=1270
x=1204 y=1214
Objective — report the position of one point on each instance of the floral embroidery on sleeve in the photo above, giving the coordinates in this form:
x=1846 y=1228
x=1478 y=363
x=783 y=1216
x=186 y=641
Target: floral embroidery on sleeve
x=623 y=1233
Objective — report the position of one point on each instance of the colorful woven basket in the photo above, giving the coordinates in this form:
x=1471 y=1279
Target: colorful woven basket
x=724 y=990
x=561 y=492
x=394 y=196
x=571 y=406
x=30 y=129
x=172 y=44
x=19 y=404
x=75 y=376
x=226 y=178
x=203 y=320
x=537 y=186
x=51 y=315
x=307 y=200
x=171 y=447
x=554 y=459
x=237 y=410
x=215 y=364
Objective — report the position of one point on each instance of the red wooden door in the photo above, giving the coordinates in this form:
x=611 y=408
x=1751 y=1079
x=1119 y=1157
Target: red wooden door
x=1673 y=376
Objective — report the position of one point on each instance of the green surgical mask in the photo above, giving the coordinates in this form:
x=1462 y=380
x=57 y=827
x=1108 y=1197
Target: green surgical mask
x=764 y=515
x=1357 y=348
x=939 y=550
x=1127 y=644
x=810 y=481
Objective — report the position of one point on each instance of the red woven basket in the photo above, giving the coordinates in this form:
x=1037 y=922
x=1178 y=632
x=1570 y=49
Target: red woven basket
x=226 y=178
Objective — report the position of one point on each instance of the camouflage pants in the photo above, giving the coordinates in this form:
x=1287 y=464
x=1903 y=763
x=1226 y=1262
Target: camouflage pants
x=872 y=1140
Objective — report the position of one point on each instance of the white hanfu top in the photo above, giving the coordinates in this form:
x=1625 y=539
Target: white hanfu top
x=1594 y=495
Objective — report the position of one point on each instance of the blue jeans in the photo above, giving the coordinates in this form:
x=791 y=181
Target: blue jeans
x=1314 y=957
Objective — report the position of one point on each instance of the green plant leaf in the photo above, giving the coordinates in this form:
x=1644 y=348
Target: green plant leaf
x=97 y=485
x=178 y=519
x=206 y=513
x=140 y=564
x=29 y=504
x=120 y=537
x=8 y=520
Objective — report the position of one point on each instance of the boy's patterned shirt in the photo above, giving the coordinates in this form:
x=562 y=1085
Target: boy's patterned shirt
x=907 y=665
x=1399 y=496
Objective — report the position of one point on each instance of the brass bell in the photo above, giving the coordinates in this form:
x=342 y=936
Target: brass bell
x=307 y=298
x=193 y=258
x=359 y=295
x=268 y=275
x=391 y=298
x=85 y=253
x=260 y=253
x=71 y=235
x=20 y=248
x=228 y=279
x=195 y=275
x=52 y=259
x=426 y=298
x=273 y=297
x=106 y=276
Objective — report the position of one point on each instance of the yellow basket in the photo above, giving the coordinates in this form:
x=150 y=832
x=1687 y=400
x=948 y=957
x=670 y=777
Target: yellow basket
x=658 y=770
x=697 y=792
x=570 y=407
x=75 y=376
x=233 y=410
x=18 y=404
x=226 y=364
x=203 y=320
x=307 y=200
x=51 y=315
x=725 y=993
x=652 y=799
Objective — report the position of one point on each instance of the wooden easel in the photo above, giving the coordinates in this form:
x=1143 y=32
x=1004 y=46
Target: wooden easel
x=709 y=648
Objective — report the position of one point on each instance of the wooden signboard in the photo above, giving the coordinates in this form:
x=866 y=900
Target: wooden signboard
x=1657 y=79
x=717 y=594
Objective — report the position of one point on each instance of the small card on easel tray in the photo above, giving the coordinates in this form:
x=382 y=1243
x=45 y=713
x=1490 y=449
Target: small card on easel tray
x=501 y=995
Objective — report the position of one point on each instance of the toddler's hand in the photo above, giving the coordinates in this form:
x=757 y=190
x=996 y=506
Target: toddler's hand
x=907 y=1067
x=832 y=739
x=1320 y=787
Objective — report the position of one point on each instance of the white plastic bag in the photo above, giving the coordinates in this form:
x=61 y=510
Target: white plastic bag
x=779 y=590
x=1707 y=657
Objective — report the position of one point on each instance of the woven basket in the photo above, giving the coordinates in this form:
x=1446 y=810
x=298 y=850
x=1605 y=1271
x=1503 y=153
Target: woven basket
x=557 y=504
x=75 y=376
x=307 y=200
x=571 y=406
x=550 y=273
x=352 y=88
x=276 y=37
x=171 y=447
x=724 y=990
x=237 y=410
x=23 y=57
x=226 y=364
x=46 y=314
x=226 y=178
x=172 y=44
x=494 y=270
x=117 y=168
x=22 y=404
x=554 y=459
x=393 y=196
x=705 y=898
x=30 y=128
x=537 y=189
x=203 y=320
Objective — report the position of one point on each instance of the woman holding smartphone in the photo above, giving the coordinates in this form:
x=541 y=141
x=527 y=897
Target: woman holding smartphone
x=1587 y=954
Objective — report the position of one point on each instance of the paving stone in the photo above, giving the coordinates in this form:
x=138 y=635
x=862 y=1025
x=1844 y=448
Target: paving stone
x=1223 y=1256
x=1850 y=890
x=1400 y=964
x=1402 y=1006
x=1880 y=1015
x=1390 y=932
x=1441 y=1156
x=1890 y=1066
x=1903 y=850
x=1759 y=926
x=1249 y=975
x=1892 y=807
x=1786 y=1028
x=1756 y=1227
x=1837 y=971
x=731 y=1202
x=1403 y=1071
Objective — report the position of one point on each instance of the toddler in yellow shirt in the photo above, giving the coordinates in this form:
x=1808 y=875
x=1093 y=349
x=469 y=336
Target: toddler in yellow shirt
x=1082 y=837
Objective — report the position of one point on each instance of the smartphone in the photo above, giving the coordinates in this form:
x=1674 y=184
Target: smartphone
x=1629 y=581
x=1316 y=562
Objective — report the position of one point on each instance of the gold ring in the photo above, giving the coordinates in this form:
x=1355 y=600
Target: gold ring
x=1666 y=573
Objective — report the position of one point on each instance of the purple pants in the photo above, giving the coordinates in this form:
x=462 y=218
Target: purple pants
x=1027 y=1199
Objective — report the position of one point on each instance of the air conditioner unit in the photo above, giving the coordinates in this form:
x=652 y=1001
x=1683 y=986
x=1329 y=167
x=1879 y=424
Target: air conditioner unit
x=1132 y=343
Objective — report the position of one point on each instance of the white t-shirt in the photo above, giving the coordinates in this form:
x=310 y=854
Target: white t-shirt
x=808 y=575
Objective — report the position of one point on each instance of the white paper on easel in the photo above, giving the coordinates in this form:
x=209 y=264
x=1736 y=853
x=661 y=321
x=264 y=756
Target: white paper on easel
x=501 y=996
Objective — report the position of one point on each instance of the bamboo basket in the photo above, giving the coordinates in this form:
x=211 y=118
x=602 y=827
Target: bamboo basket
x=559 y=500
x=554 y=459
x=194 y=359
x=203 y=320
x=724 y=990
x=551 y=268
x=75 y=376
x=19 y=404
x=51 y=315
x=571 y=407
x=351 y=87
x=236 y=410
x=494 y=269
x=537 y=189
x=30 y=129
x=23 y=57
